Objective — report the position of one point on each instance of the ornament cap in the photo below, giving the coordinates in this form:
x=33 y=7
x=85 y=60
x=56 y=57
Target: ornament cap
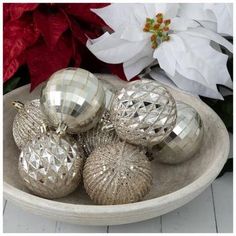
x=18 y=105
x=61 y=129
x=44 y=128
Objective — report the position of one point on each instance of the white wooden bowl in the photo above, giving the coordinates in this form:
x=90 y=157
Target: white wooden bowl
x=173 y=186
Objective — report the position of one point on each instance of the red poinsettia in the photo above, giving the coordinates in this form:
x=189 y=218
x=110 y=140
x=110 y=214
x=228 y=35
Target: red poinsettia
x=48 y=37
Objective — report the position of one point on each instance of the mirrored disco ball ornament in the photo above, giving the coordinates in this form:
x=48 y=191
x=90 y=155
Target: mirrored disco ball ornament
x=74 y=97
x=27 y=121
x=51 y=165
x=117 y=174
x=102 y=134
x=143 y=113
x=185 y=139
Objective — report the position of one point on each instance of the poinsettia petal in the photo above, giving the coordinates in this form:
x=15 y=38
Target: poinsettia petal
x=10 y=70
x=224 y=16
x=83 y=12
x=13 y=66
x=189 y=86
x=202 y=57
x=111 y=49
x=209 y=25
x=18 y=36
x=195 y=60
x=219 y=13
x=51 y=25
x=133 y=31
x=194 y=86
x=76 y=30
x=18 y=9
x=43 y=61
x=117 y=69
x=134 y=67
x=160 y=75
x=139 y=62
x=181 y=24
x=169 y=10
x=165 y=59
x=121 y=13
x=6 y=12
x=195 y=11
x=205 y=33
x=167 y=53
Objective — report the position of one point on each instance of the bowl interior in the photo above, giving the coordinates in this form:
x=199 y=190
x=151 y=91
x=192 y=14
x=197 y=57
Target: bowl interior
x=166 y=178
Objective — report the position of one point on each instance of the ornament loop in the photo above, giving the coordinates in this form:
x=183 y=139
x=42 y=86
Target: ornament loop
x=18 y=105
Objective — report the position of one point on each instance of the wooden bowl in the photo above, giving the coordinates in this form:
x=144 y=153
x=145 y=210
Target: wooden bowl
x=173 y=186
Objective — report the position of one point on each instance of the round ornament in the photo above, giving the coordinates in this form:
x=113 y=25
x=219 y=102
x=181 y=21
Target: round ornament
x=102 y=134
x=27 y=122
x=143 y=113
x=51 y=165
x=184 y=140
x=117 y=174
x=75 y=97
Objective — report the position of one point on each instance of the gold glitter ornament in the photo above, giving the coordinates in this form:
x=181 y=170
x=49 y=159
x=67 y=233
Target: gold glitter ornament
x=117 y=174
x=51 y=165
x=104 y=133
x=27 y=122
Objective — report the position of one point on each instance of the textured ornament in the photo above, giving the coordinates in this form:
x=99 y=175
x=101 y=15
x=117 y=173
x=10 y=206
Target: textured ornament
x=117 y=174
x=74 y=97
x=27 y=122
x=185 y=139
x=51 y=165
x=143 y=113
x=104 y=133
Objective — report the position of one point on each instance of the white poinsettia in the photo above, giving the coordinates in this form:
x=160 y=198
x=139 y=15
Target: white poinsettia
x=215 y=16
x=145 y=33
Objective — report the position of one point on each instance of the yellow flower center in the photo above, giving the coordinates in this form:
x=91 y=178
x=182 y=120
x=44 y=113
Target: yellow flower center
x=159 y=27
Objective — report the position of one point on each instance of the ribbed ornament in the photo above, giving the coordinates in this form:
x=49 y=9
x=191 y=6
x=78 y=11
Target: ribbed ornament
x=184 y=140
x=104 y=133
x=75 y=97
x=117 y=174
x=51 y=166
x=143 y=113
x=27 y=122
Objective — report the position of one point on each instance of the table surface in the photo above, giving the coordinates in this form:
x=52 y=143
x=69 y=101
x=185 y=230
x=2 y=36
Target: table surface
x=210 y=212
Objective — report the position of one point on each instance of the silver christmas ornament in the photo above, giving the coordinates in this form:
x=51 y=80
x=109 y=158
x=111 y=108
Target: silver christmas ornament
x=143 y=113
x=117 y=174
x=102 y=134
x=185 y=139
x=75 y=97
x=27 y=122
x=51 y=165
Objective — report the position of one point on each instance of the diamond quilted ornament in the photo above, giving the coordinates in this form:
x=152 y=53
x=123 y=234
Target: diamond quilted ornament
x=143 y=113
x=27 y=121
x=51 y=165
x=104 y=133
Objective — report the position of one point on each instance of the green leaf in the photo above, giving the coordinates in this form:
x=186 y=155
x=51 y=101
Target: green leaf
x=10 y=85
x=224 y=108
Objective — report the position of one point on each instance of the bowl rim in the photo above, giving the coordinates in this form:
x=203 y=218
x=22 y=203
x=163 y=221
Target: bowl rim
x=200 y=183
